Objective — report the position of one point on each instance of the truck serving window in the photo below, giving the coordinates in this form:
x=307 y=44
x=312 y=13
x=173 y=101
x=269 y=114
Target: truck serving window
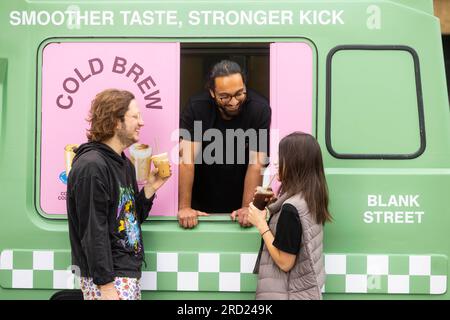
x=279 y=71
x=374 y=103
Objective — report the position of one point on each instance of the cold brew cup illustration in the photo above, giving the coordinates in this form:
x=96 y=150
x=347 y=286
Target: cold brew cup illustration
x=140 y=155
x=161 y=161
x=69 y=154
x=262 y=197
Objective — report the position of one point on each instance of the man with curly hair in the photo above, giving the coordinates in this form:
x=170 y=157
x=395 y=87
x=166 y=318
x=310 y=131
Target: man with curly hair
x=224 y=147
x=104 y=206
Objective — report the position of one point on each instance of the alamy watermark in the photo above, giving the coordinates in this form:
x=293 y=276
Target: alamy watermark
x=217 y=147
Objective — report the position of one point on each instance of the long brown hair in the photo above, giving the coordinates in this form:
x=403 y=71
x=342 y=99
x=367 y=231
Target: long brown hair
x=108 y=107
x=301 y=171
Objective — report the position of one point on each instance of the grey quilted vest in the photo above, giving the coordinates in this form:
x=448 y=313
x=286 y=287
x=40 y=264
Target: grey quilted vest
x=306 y=279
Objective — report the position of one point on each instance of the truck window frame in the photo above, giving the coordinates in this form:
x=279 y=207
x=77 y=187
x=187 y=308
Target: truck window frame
x=419 y=95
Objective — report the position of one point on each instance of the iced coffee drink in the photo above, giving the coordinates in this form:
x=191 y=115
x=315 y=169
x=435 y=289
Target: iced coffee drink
x=262 y=197
x=161 y=161
x=140 y=155
x=69 y=154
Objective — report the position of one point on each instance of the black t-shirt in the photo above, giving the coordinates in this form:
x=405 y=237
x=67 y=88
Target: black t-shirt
x=289 y=230
x=220 y=171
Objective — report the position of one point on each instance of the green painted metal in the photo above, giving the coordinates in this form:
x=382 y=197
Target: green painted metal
x=3 y=67
x=360 y=190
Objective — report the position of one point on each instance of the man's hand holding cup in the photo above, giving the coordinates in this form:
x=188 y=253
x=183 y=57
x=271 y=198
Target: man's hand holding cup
x=157 y=177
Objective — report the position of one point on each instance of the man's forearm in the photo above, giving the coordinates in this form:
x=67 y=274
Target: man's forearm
x=185 y=185
x=253 y=178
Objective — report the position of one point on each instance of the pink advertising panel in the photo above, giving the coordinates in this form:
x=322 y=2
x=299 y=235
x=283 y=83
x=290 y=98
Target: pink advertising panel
x=291 y=93
x=73 y=73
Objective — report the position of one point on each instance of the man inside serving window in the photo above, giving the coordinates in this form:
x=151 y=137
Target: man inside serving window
x=224 y=141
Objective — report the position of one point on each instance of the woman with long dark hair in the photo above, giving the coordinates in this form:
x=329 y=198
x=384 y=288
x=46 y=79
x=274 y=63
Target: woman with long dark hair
x=290 y=264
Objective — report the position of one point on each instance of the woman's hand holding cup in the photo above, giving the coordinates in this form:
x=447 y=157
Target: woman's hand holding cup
x=257 y=217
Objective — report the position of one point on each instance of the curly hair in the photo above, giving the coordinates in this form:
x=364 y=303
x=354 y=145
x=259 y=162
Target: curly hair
x=223 y=68
x=107 y=108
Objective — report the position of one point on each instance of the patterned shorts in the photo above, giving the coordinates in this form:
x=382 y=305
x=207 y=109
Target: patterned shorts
x=127 y=288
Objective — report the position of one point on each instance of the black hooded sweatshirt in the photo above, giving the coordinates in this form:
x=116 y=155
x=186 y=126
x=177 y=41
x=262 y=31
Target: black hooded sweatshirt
x=105 y=211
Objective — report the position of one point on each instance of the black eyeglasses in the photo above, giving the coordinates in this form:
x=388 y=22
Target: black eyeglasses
x=226 y=98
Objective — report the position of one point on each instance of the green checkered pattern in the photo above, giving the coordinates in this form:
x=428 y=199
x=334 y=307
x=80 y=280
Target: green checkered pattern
x=43 y=269
x=228 y=272
x=386 y=274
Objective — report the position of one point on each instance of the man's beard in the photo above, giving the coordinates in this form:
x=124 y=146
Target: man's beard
x=227 y=113
x=124 y=138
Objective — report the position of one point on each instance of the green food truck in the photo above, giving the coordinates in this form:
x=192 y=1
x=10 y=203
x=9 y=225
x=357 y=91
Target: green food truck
x=366 y=78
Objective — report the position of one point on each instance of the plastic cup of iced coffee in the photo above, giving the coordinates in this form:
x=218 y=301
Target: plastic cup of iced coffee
x=262 y=197
x=69 y=154
x=140 y=155
x=161 y=161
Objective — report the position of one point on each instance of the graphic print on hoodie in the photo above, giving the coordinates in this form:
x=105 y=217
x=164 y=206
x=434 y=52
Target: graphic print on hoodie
x=128 y=222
